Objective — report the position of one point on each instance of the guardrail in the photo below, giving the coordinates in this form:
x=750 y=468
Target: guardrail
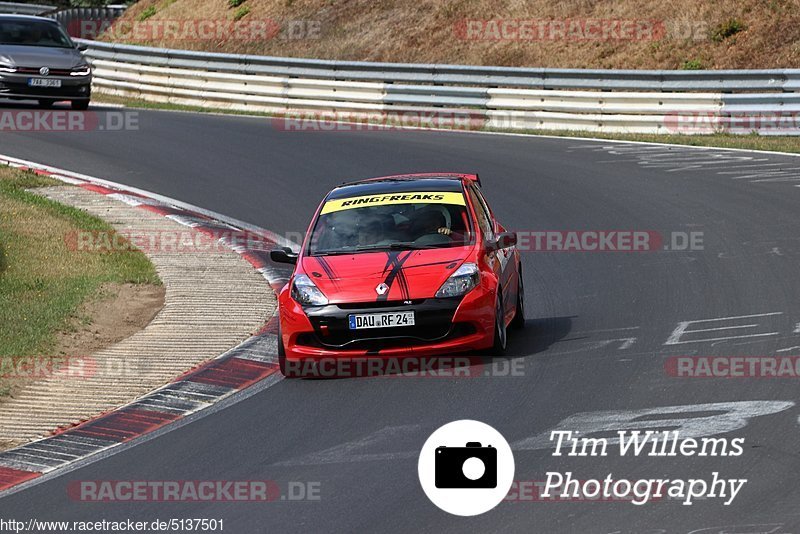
x=15 y=8
x=501 y=97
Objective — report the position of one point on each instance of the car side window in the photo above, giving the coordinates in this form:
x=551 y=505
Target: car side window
x=485 y=205
x=482 y=213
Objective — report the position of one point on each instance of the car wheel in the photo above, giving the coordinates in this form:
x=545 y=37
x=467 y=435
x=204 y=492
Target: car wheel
x=81 y=105
x=519 y=316
x=281 y=353
x=500 y=333
x=282 y=359
x=45 y=103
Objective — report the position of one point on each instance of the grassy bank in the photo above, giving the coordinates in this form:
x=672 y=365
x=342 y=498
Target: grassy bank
x=676 y=34
x=42 y=282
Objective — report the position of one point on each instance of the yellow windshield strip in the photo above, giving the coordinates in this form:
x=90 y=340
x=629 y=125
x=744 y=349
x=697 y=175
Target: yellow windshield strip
x=416 y=197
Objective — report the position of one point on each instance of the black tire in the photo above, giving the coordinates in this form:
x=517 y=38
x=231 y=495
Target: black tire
x=81 y=105
x=500 y=331
x=46 y=103
x=282 y=355
x=518 y=322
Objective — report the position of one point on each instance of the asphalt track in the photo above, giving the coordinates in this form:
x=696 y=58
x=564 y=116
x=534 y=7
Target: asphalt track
x=595 y=339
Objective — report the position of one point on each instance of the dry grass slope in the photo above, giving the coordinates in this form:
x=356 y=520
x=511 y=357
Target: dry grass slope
x=725 y=33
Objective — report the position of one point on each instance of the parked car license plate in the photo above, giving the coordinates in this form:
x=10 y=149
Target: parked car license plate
x=43 y=82
x=381 y=320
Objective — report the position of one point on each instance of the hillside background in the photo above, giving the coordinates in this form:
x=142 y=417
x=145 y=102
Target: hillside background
x=714 y=34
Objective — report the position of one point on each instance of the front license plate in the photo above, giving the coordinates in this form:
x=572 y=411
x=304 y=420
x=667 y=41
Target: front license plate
x=381 y=320
x=43 y=82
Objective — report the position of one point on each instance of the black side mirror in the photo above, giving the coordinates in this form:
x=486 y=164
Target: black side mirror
x=506 y=240
x=82 y=47
x=502 y=240
x=283 y=255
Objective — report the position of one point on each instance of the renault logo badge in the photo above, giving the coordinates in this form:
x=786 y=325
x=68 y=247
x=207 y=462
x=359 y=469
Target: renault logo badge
x=381 y=289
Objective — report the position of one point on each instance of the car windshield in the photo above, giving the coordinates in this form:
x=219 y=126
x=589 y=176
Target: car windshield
x=33 y=33
x=392 y=221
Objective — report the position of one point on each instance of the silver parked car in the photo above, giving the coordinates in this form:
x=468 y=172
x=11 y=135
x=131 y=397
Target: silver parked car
x=39 y=61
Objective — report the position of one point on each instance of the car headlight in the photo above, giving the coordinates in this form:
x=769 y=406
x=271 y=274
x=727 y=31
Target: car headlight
x=305 y=292
x=81 y=70
x=7 y=68
x=460 y=282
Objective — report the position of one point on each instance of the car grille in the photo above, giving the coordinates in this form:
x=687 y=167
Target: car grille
x=54 y=92
x=433 y=322
x=35 y=71
x=382 y=342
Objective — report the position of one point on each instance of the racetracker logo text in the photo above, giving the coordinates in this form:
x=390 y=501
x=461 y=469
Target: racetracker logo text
x=197 y=30
x=192 y=491
x=607 y=241
x=62 y=120
x=405 y=367
x=574 y=29
x=733 y=366
x=741 y=122
x=349 y=121
x=180 y=242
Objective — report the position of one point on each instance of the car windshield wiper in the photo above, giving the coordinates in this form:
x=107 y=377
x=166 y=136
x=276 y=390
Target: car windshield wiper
x=410 y=246
x=334 y=252
x=375 y=248
x=396 y=246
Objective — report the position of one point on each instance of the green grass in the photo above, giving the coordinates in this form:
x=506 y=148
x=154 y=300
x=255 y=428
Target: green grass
x=692 y=64
x=241 y=13
x=235 y=3
x=727 y=29
x=146 y=13
x=43 y=283
x=770 y=143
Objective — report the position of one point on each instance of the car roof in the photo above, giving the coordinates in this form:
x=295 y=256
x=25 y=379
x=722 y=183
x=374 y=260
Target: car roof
x=402 y=183
x=10 y=16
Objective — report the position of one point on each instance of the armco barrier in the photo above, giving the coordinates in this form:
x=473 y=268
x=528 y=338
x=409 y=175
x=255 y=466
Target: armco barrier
x=505 y=97
x=16 y=8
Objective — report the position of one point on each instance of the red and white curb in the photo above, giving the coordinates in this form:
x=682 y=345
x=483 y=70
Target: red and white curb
x=253 y=361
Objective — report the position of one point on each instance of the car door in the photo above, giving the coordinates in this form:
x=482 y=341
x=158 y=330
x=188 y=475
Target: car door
x=502 y=260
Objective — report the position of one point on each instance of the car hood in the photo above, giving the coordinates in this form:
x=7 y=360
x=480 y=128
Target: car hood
x=409 y=274
x=39 y=56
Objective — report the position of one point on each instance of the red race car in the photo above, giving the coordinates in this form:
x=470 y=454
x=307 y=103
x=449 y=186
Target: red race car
x=396 y=267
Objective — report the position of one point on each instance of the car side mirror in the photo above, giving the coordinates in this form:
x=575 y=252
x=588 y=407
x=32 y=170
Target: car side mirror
x=82 y=47
x=502 y=240
x=283 y=255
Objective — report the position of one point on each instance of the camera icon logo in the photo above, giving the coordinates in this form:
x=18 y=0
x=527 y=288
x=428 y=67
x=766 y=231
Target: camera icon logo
x=466 y=467
x=472 y=466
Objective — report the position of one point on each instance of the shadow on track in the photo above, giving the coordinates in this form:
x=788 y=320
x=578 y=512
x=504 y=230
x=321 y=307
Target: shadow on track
x=537 y=336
